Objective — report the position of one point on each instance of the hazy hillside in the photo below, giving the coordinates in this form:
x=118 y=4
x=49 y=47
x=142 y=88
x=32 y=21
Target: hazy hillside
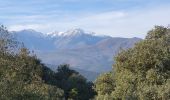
x=80 y=49
x=90 y=75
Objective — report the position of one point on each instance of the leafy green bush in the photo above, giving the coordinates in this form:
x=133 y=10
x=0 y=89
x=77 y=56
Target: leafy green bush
x=143 y=72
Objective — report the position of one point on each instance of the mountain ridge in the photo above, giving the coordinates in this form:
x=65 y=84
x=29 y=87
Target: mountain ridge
x=72 y=32
x=80 y=49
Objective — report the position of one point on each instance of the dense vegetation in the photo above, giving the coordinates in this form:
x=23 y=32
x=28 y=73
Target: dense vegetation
x=140 y=73
x=24 y=77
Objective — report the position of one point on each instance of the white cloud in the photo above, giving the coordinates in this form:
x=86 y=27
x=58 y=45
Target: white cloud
x=127 y=24
x=20 y=27
x=133 y=23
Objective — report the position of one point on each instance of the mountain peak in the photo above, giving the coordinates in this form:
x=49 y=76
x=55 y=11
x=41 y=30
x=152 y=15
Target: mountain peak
x=79 y=31
x=76 y=30
x=29 y=30
x=71 y=32
x=55 y=34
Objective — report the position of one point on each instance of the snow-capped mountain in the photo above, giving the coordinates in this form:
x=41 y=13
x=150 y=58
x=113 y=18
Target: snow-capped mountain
x=76 y=38
x=80 y=49
x=53 y=34
x=70 y=33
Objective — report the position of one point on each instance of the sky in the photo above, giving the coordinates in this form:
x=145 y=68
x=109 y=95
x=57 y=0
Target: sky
x=117 y=18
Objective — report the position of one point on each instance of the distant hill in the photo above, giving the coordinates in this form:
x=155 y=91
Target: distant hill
x=82 y=50
x=90 y=75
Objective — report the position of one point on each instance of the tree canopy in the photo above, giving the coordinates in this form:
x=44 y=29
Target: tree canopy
x=143 y=72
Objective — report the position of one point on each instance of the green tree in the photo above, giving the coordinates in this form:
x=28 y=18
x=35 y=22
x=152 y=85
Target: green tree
x=104 y=85
x=21 y=75
x=7 y=42
x=143 y=72
x=73 y=94
x=74 y=85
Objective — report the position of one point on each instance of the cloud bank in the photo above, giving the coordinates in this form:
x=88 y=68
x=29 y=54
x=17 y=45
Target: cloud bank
x=126 y=20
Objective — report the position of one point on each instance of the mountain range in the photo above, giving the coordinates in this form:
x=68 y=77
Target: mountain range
x=82 y=50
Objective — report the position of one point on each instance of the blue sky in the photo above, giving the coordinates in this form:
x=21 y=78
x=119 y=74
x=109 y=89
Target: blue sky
x=118 y=18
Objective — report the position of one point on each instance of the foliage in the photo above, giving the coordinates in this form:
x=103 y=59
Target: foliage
x=75 y=85
x=24 y=77
x=143 y=72
x=7 y=42
x=21 y=74
x=21 y=78
x=104 y=85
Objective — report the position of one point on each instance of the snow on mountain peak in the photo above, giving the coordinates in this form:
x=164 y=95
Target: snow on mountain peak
x=71 y=32
x=54 y=34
